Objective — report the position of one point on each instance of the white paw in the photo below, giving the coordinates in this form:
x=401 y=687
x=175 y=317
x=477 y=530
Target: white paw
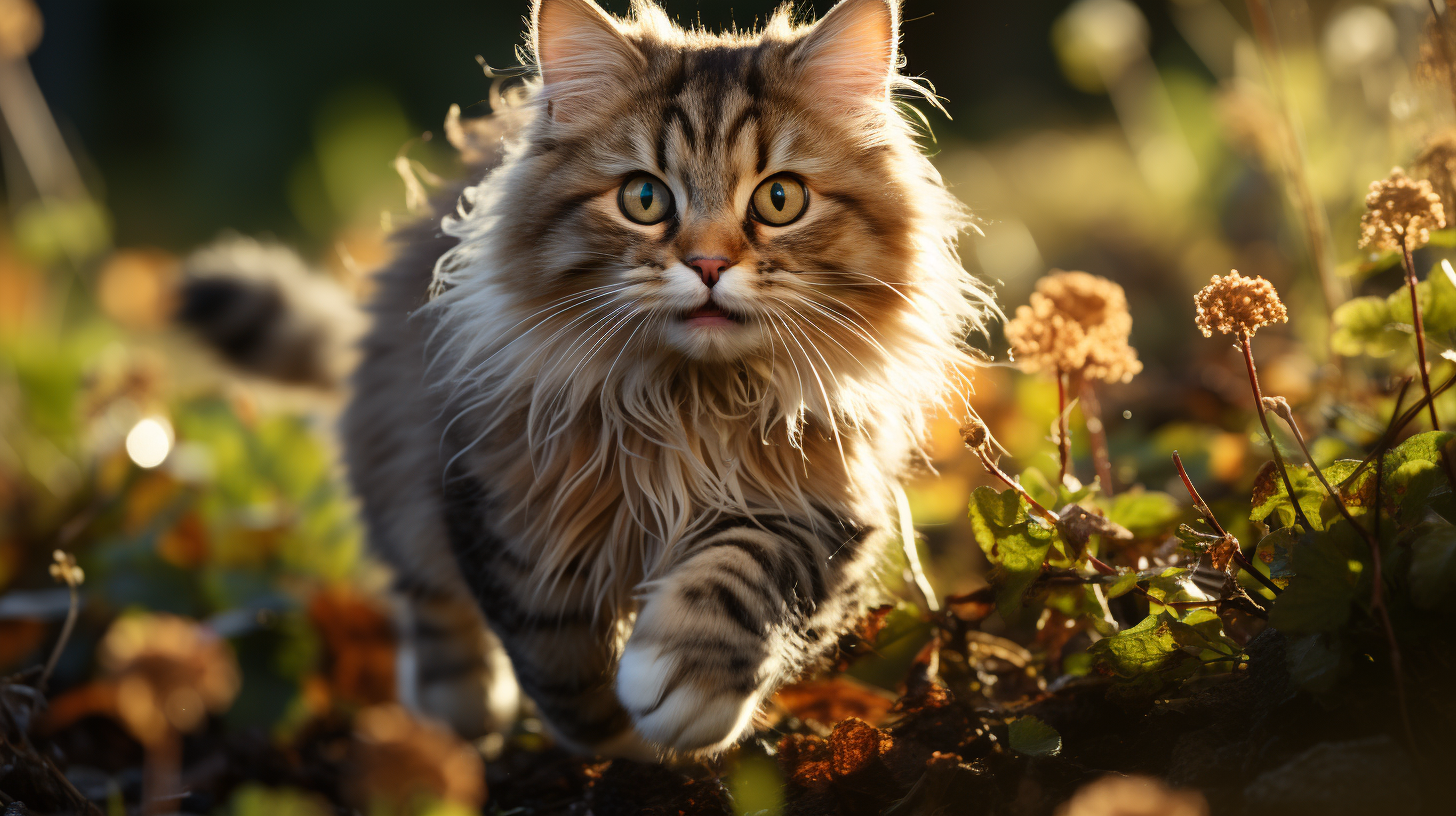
x=692 y=715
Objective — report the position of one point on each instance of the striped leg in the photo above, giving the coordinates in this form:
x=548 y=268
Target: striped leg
x=452 y=667
x=562 y=648
x=748 y=606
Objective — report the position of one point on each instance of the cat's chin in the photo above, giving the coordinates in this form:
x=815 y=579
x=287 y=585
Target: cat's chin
x=715 y=336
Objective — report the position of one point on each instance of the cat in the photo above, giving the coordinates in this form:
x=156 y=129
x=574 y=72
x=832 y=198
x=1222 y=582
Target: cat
x=631 y=417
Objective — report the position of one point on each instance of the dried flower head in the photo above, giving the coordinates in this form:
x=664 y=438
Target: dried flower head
x=973 y=432
x=1234 y=303
x=1400 y=212
x=65 y=571
x=1435 y=65
x=1437 y=163
x=20 y=28
x=170 y=672
x=403 y=763
x=1133 y=796
x=1075 y=322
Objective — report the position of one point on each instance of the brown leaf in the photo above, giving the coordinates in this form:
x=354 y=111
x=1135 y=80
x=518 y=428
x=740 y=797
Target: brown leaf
x=1266 y=483
x=973 y=607
x=829 y=701
x=359 y=644
x=855 y=746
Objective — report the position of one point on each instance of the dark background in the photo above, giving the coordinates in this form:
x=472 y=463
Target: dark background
x=202 y=116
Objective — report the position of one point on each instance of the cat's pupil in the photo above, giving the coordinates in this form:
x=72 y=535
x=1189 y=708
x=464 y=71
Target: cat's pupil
x=777 y=195
x=646 y=196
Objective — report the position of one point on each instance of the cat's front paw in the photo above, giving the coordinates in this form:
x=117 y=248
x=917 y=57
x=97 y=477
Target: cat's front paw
x=679 y=704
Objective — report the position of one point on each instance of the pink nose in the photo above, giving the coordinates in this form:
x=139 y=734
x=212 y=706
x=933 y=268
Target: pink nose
x=709 y=269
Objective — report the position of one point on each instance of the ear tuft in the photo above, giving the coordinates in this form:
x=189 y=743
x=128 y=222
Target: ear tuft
x=850 y=56
x=578 y=48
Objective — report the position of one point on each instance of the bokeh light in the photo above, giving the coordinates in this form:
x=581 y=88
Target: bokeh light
x=149 y=441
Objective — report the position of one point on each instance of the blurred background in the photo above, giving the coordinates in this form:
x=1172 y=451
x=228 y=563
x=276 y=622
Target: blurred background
x=1155 y=143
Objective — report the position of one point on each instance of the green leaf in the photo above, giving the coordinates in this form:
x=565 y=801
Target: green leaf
x=1031 y=736
x=1172 y=584
x=1015 y=543
x=1272 y=497
x=1433 y=563
x=1200 y=632
x=1147 y=513
x=1359 y=493
x=1437 y=295
x=1364 y=327
x=1147 y=647
x=1126 y=580
x=1415 y=479
x=1052 y=495
x=1316 y=661
x=1328 y=567
x=1277 y=551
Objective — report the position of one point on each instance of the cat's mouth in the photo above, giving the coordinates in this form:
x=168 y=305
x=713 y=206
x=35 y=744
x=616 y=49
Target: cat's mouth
x=710 y=314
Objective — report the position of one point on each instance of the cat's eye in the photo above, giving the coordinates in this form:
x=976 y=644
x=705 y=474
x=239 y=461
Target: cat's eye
x=780 y=200
x=644 y=199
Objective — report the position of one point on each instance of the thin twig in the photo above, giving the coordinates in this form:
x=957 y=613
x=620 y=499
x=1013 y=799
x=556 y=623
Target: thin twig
x=1410 y=278
x=1264 y=421
x=1207 y=512
x=1097 y=435
x=66 y=629
x=1377 y=593
x=1064 y=445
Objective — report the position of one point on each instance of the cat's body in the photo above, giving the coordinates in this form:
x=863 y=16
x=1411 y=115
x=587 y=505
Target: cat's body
x=678 y=355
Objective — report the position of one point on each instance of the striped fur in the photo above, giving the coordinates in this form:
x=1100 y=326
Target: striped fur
x=662 y=521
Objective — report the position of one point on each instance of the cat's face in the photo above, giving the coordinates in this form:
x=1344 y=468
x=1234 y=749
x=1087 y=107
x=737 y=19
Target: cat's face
x=721 y=196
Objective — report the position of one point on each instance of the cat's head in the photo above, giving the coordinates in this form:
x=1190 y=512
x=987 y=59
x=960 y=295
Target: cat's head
x=725 y=197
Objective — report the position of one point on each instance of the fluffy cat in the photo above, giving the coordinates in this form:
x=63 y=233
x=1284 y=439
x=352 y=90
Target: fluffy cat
x=630 y=420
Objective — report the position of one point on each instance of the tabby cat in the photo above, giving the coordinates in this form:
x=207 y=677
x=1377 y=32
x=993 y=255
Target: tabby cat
x=631 y=417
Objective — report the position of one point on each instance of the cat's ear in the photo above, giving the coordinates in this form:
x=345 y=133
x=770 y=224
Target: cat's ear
x=580 y=51
x=849 y=57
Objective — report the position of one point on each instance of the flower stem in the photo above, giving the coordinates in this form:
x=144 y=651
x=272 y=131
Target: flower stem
x=1376 y=601
x=1097 y=434
x=1268 y=433
x=1410 y=279
x=1064 y=443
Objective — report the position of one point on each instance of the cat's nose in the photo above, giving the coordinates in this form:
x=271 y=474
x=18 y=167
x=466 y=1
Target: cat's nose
x=709 y=269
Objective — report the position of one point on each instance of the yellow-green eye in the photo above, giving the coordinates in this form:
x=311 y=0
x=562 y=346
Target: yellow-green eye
x=645 y=199
x=780 y=199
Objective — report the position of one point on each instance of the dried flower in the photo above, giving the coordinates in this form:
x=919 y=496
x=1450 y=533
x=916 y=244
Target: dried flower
x=1076 y=322
x=65 y=571
x=1400 y=212
x=1435 y=63
x=405 y=763
x=1235 y=303
x=973 y=432
x=1132 y=796
x=20 y=28
x=1437 y=163
x=170 y=672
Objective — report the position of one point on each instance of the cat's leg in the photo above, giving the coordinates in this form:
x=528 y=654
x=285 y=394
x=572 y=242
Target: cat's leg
x=564 y=651
x=747 y=606
x=451 y=666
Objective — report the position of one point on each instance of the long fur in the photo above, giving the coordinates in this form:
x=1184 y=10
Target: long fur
x=626 y=442
x=661 y=520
